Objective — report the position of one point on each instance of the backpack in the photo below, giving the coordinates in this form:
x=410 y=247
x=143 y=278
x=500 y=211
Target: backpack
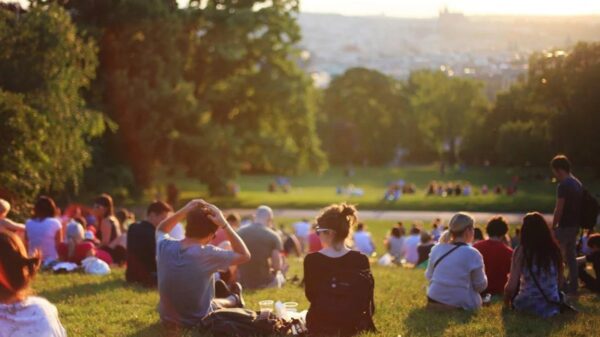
x=344 y=305
x=239 y=322
x=589 y=210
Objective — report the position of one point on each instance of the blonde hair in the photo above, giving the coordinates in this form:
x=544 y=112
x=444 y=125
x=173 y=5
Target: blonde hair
x=445 y=237
x=75 y=234
x=460 y=222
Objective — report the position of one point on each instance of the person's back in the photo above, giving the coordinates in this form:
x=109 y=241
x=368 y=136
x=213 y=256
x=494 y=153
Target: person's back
x=451 y=281
x=82 y=250
x=530 y=298
x=496 y=258
x=411 y=253
x=571 y=190
x=363 y=242
x=141 y=254
x=41 y=235
x=396 y=247
x=261 y=241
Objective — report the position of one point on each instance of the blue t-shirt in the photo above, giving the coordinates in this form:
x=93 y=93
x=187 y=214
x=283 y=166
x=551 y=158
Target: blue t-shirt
x=571 y=190
x=186 y=281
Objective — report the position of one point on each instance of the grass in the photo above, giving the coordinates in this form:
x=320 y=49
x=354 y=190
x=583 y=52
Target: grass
x=107 y=306
x=312 y=191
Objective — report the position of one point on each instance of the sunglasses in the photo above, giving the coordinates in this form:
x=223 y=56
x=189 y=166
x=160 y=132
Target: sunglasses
x=323 y=230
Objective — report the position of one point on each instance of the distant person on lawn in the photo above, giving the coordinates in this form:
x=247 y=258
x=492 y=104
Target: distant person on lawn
x=363 y=242
x=590 y=282
x=141 y=245
x=455 y=270
x=411 y=244
x=395 y=244
x=20 y=313
x=567 y=216
x=338 y=280
x=536 y=272
x=186 y=268
x=302 y=231
x=109 y=229
x=265 y=246
x=75 y=249
x=496 y=254
x=424 y=247
x=43 y=232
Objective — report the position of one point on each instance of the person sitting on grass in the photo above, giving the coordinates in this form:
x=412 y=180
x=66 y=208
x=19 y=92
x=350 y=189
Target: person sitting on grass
x=590 y=282
x=411 y=253
x=363 y=242
x=5 y=222
x=266 y=247
x=424 y=248
x=455 y=270
x=43 y=232
x=109 y=229
x=536 y=272
x=20 y=313
x=141 y=245
x=496 y=255
x=338 y=280
x=395 y=244
x=186 y=268
x=75 y=249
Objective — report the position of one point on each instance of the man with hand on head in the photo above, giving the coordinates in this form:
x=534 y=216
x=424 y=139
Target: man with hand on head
x=7 y=223
x=186 y=268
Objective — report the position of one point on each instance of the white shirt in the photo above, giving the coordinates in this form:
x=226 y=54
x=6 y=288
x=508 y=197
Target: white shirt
x=178 y=232
x=302 y=229
x=410 y=248
x=363 y=242
x=459 y=278
x=41 y=235
x=32 y=317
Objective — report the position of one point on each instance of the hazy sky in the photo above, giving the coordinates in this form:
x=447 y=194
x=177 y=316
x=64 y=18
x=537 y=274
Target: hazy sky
x=429 y=8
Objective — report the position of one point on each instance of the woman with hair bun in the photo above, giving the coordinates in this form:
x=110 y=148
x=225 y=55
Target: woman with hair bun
x=20 y=313
x=339 y=284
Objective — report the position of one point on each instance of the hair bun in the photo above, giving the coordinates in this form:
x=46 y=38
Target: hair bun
x=348 y=210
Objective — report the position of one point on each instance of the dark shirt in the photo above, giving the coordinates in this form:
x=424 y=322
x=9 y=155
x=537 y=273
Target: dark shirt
x=571 y=190
x=314 y=277
x=424 y=251
x=141 y=254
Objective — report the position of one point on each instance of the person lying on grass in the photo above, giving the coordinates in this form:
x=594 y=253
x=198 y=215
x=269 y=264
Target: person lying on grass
x=186 y=268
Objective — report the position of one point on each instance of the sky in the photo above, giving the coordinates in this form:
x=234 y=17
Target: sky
x=430 y=8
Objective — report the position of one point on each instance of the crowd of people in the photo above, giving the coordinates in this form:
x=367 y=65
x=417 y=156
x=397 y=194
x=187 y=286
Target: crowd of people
x=203 y=268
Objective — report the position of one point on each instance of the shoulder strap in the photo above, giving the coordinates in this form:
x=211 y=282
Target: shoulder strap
x=456 y=246
x=537 y=285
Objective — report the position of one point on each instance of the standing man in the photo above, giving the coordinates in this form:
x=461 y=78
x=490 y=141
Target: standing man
x=265 y=246
x=567 y=216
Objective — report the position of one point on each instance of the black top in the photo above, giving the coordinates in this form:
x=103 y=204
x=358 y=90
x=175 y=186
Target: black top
x=113 y=230
x=424 y=251
x=141 y=254
x=571 y=190
x=316 y=263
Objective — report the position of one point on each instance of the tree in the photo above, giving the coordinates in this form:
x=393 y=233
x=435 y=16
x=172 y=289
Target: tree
x=445 y=109
x=363 y=117
x=46 y=128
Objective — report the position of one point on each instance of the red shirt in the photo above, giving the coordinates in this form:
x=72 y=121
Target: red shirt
x=82 y=251
x=314 y=243
x=220 y=236
x=496 y=258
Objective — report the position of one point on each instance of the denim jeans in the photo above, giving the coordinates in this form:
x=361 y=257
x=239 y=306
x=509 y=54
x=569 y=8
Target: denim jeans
x=567 y=238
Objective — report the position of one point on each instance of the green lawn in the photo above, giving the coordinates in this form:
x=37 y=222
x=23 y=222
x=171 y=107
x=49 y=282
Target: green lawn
x=106 y=306
x=315 y=191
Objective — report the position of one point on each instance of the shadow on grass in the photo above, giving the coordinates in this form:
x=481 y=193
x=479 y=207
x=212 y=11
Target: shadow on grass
x=158 y=330
x=433 y=322
x=89 y=289
x=522 y=324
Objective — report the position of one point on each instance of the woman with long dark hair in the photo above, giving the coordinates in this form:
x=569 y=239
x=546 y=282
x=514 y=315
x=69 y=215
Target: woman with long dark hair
x=43 y=232
x=109 y=229
x=536 y=271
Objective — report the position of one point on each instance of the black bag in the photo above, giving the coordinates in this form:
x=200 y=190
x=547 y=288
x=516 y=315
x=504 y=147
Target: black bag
x=589 y=210
x=243 y=323
x=345 y=304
